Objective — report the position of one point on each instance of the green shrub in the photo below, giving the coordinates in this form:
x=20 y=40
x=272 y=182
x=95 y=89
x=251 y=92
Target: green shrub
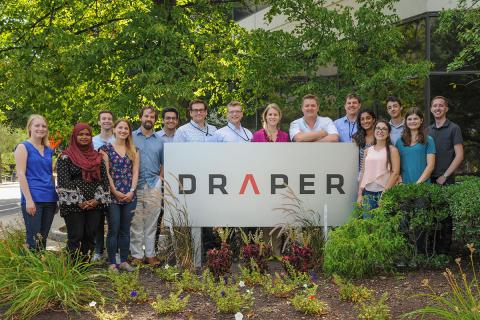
x=34 y=282
x=374 y=310
x=464 y=203
x=174 y=303
x=128 y=287
x=277 y=285
x=362 y=246
x=350 y=292
x=308 y=303
x=422 y=207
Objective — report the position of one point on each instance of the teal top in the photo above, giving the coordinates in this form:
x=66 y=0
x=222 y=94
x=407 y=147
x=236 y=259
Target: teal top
x=413 y=159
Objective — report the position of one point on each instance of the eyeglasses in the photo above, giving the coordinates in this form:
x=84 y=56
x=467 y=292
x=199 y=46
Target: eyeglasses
x=198 y=110
x=382 y=129
x=170 y=118
x=234 y=111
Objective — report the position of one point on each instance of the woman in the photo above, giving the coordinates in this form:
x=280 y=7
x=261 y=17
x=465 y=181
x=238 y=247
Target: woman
x=122 y=164
x=417 y=149
x=83 y=190
x=271 y=132
x=33 y=158
x=381 y=167
x=364 y=137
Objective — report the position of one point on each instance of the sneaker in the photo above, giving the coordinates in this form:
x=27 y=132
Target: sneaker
x=126 y=267
x=137 y=262
x=96 y=257
x=117 y=258
x=112 y=268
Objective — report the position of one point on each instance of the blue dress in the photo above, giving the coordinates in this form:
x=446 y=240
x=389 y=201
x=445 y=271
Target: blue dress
x=121 y=171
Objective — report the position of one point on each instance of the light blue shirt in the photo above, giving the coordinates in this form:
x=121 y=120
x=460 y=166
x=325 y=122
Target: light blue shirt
x=322 y=123
x=396 y=132
x=191 y=132
x=150 y=150
x=346 y=129
x=164 y=137
x=413 y=159
x=98 y=142
x=230 y=133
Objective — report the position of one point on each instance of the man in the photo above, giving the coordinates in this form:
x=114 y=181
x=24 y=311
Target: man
x=197 y=130
x=105 y=121
x=170 y=123
x=397 y=123
x=233 y=131
x=449 y=155
x=312 y=128
x=144 y=222
x=347 y=125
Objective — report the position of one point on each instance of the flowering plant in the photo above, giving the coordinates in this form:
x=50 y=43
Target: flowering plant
x=308 y=303
x=299 y=257
x=255 y=250
x=219 y=261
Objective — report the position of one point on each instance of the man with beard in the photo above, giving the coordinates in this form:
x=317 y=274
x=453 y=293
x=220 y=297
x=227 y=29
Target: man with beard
x=144 y=222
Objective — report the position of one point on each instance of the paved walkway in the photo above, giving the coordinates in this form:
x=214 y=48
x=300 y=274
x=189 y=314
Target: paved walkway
x=11 y=214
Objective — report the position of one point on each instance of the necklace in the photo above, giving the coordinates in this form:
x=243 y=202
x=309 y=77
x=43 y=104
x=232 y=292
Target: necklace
x=198 y=128
x=246 y=135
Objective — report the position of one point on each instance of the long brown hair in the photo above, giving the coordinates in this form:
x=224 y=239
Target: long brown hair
x=131 y=149
x=407 y=133
x=388 y=142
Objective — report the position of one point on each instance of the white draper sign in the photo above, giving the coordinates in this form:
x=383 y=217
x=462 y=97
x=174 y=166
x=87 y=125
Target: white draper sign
x=243 y=185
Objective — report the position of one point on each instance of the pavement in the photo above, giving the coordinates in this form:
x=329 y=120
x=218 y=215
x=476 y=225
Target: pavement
x=11 y=215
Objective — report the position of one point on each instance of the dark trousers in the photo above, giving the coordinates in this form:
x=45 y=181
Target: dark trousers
x=81 y=231
x=119 y=220
x=445 y=234
x=38 y=226
x=100 y=237
x=370 y=201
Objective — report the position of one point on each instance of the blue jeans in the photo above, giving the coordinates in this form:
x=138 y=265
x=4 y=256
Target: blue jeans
x=119 y=220
x=38 y=226
x=370 y=201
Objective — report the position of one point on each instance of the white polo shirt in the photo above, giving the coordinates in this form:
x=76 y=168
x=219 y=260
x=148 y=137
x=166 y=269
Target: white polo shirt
x=322 y=123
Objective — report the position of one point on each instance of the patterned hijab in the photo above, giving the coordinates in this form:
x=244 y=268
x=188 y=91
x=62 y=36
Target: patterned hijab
x=84 y=157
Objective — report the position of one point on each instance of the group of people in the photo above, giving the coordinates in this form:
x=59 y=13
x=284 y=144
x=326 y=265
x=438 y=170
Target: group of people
x=116 y=175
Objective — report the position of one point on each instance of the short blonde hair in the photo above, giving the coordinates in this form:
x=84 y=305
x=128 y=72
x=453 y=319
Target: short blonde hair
x=29 y=126
x=264 y=114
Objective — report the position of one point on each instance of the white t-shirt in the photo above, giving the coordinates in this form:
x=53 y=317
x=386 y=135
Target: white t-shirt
x=322 y=123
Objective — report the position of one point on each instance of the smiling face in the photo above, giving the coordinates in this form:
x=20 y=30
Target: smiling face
x=366 y=120
x=84 y=137
x=394 y=109
x=38 y=128
x=198 y=113
x=235 y=114
x=121 y=130
x=414 y=122
x=381 y=131
x=439 y=108
x=352 y=105
x=310 y=108
x=272 y=117
x=170 y=120
x=105 y=121
x=148 y=119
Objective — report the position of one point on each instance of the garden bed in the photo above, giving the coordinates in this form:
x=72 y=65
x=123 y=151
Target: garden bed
x=401 y=289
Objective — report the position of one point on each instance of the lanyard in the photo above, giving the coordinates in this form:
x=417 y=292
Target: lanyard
x=351 y=129
x=206 y=125
x=246 y=135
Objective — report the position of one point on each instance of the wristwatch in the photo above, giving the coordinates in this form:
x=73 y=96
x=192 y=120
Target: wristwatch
x=132 y=190
x=445 y=176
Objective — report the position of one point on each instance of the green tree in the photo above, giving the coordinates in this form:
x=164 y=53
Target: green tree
x=9 y=138
x=463 y=21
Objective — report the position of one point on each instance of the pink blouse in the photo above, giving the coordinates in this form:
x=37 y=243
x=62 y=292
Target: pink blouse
x=261 y=136
x=375 y=168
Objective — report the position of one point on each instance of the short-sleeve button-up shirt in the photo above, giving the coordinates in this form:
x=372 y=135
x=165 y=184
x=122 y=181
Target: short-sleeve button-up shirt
x=346 y=129
x=191 y=132
x=150 y=150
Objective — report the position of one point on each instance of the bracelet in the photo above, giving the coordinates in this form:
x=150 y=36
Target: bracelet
x=132 y=190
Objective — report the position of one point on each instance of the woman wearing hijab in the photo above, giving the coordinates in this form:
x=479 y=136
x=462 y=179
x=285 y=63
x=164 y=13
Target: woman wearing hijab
x=83 y=189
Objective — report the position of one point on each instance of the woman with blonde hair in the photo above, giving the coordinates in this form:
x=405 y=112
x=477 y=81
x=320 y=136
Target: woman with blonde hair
x=271 y=117
x=33 y=158
x=122 y=162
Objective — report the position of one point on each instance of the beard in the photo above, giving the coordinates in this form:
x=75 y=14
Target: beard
x=147 y=125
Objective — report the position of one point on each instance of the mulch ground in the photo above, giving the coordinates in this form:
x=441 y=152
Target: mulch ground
x=401 y=288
